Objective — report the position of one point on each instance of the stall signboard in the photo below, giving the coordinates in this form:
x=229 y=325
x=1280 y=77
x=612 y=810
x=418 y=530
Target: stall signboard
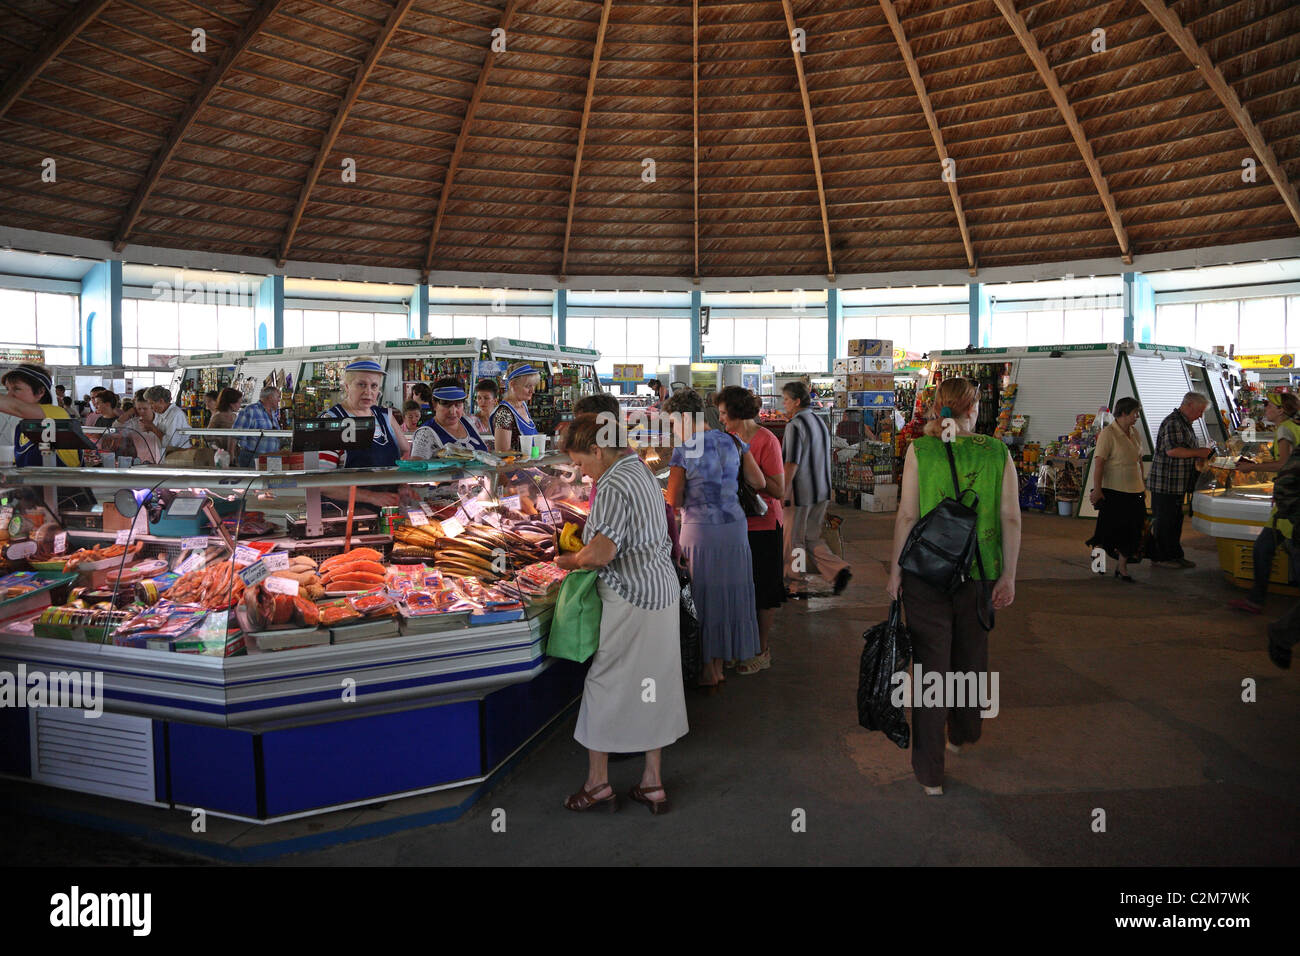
x=429 y=343
x=340 y=347
x=206 y=355
x=265 y=352
x=23 y=356
x=1266 y=361
x=629 y=373
x=567 y=350
x=1093 y=347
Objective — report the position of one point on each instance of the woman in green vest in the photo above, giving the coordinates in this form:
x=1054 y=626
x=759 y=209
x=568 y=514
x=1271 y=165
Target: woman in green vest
x=946 y=632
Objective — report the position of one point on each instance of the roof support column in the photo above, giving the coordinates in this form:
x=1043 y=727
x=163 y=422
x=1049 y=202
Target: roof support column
x=268 y=313
x=697 y=348
x=834 y=314
x=1139 y=308
x=980 y=315
x=101 y=314
x=417 y=319
x=560 y=316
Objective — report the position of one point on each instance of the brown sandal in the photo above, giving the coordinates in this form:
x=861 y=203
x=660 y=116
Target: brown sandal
x=656 y=806
x=586 y=800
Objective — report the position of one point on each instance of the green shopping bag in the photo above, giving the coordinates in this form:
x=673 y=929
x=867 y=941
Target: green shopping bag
x=575 y=625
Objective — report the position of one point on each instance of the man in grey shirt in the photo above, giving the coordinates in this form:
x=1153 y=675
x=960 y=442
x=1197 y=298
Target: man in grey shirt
x=807 y=454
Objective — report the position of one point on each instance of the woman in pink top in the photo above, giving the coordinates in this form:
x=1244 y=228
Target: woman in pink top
x=738 y=409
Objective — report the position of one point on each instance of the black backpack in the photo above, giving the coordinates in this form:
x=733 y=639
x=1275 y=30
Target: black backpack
x=943 y=542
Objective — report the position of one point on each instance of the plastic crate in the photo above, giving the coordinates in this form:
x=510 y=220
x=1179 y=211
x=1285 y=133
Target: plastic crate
x=1237 y=559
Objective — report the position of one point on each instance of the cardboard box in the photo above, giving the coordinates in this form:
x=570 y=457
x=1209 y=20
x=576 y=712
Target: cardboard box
x=879 y=366
x=875 y=501
x=870 y=382
x=840 y=366
x=877 y=348
x=854 y=364
x=871 y=399
x=841 y=399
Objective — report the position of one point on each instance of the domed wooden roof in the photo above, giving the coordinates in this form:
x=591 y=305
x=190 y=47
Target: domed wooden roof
x=644 y=138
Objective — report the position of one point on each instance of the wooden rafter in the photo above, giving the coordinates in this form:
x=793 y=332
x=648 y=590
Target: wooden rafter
x=340 y=117
x=1215 y=80
x=48 y=50
x=695 y=124
x=454 y=165
x=582 y=132
x=919 y=85
x=812 y=136
x=186 y=120
x=1048 y=76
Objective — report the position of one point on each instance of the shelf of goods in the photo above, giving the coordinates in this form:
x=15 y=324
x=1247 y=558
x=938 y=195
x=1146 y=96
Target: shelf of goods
x=290 y=675
x=1232 y=505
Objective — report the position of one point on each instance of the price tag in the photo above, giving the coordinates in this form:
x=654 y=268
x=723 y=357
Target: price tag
x=417 y=518
x=463 y=517
x=277 y=561
x=21 y=550
x=245 y=556
x=183 y=507
x=426 y=508
x=255 y=573
x=512 y=502
x=61 y=542
x=6 y=513
x=472 y=507
x=193 y=563
x=197 y=543
x=492 y=518
x=275 y=463
x=281 y=586
x=553 y=517
x=451 y=528
x=124 y=536
x=214 y=627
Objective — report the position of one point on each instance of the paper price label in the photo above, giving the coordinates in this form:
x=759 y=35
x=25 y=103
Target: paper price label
x=61 y=542
x=21 y=550
x=197 y=543
x=417 y=518
x=255 y=573
x=552 y=517
x=463 y=517
x=281 y=586
x=183 y=507
x=511 y=502
x=275 y=463
x=276 y=561
x=193 y=563
x=124 y=536
x=245 y=556
x=492 y=518
x=451 y=528
x=472 y=507
x=6 y=513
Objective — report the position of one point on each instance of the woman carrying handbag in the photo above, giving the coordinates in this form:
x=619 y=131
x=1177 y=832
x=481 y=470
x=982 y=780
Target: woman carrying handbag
x=948 y=626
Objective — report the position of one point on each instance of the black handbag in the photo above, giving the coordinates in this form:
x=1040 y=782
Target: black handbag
x=943 y=543
x=887 y=649
x=750 y=500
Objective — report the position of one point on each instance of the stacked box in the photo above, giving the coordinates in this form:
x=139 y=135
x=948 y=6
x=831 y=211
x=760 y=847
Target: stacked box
x=877 y=348
x=869 y=382
x=871 y=399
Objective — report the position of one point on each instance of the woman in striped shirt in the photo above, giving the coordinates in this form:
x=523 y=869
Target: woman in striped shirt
x=626 y=543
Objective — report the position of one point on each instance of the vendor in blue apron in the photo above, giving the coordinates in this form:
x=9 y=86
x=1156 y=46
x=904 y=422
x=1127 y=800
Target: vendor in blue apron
x=448 y=426
x=363 y=380
x=511 y=419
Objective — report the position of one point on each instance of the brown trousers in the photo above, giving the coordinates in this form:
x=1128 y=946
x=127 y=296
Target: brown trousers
x=946 y=636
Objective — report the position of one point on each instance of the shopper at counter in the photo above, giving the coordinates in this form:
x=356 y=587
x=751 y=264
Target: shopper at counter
x=261 y=415
x=107 y=408
x=485 y=400
x=946 y=632
x=168 y=420
x=807 y=452
x=448 y=426
x=30 y=396
x=1118 y=491
x=229 y=401
x=512 y=419
x=738 y=409
x=136 y=436
x=362 y=381
x=1173 y=473
x=702 y=485
x=626 y=544
x=1280 y=411
x=211 y=405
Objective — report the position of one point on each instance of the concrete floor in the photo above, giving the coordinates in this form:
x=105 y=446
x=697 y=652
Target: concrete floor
x=1121 y=697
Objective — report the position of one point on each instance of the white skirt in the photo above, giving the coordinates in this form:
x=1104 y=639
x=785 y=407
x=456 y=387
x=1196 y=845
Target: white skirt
x=633 y=699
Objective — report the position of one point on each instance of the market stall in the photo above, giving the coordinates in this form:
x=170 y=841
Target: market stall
x=568 y=373
x=249 y=670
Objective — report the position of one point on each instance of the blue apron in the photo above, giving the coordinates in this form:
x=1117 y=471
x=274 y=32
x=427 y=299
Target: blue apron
x=523 y=423
x=383 y=451
x=471 y=439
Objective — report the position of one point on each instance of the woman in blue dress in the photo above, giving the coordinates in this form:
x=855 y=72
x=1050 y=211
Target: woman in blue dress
x=512 y=419
x=702 y=485
x=363 y=381
x=448 y=426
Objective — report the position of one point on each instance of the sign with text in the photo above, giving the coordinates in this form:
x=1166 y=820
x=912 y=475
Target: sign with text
x=629 y=373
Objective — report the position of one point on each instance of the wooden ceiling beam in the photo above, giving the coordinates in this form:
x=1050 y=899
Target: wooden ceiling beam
x=186 y=120
x=1048 y=76
x=918 y=84
x=582 y=133
x=48 y=51
x=340 y=117
x=1215 y=80
x=507 y=15
x=812 y=136
x=695 y=125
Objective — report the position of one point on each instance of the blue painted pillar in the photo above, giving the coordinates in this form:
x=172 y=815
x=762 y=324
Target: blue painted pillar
x=417 y=320
x=979 y=315
x=834 y=314
x=269 y=313
x=101 y=314
x=697 y=346
x=1139 y=308
x=560 y=316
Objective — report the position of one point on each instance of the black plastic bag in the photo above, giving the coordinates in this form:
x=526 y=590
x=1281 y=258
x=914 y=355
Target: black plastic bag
x=888 y=649
x=692 y=649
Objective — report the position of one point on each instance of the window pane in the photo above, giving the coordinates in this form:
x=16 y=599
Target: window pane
x=721 y=337
x=1263 y=326
x=19 y=311
x=856 y=327
x=292 y=328
x=320 y=328
x=158 y=330
x=674 y=337
x=198 y=328
x=580 y=331
x=236 y=328
x=750 y=337
x=896 y=328
x=392 y=325
x=356 y=326
x=535 y=328
x=129 y=338
x=470 y=326
x=62 y=356
x=1043 y=328
x=1216 y=324
x=1175 y=325
x=1082 y=327
x=782 y=336
x=611 y=338
x=1113 y=326
x=927 y=334
x=1007 y=329
x=57 y=319
x=642 y=337
x=957 y=331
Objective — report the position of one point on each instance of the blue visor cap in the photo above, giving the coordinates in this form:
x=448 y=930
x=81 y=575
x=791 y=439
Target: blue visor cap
x=365 y=365
x=522 y=370
x=449 y=393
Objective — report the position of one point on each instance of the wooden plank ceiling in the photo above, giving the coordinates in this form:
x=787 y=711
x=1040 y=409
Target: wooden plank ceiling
x=677 y=138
